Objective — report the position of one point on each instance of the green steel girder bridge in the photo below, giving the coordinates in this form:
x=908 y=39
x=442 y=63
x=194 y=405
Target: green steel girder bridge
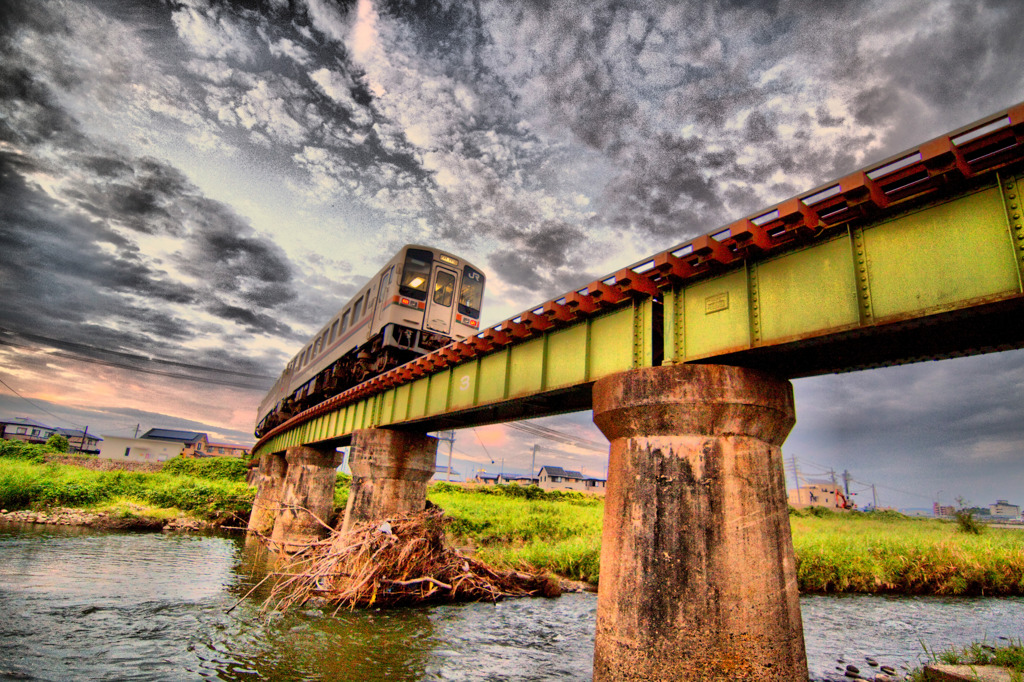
x=920 y=256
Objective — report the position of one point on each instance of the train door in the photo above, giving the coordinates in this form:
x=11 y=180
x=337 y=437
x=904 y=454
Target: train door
x=383 y=293
x=441 y=301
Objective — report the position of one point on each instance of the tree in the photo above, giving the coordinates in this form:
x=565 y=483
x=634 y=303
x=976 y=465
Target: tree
x=58 y=442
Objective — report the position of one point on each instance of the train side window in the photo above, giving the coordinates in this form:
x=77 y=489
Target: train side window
x=356 y=309
x=344 y=322
x=334 y=332
x=444 y=288
x=471 y=292
x=302 y=359
x=416 y=274
x=316 y=349
x=323 y=342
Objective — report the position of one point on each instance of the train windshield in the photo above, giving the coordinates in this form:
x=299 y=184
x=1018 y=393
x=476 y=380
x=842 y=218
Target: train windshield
x=471 y=293
x=416 y=273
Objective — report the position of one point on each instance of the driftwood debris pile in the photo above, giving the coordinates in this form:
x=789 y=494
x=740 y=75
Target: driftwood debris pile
x=402 y=561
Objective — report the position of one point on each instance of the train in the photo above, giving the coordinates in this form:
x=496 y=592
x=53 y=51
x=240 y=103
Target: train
x=422 y=299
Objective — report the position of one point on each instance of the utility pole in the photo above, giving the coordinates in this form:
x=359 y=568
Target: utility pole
x=85 y=437
x=137 y=430
x=846 y=482
x=448 y=436
x=796 y=477
x=874 y=497
x=533 y=461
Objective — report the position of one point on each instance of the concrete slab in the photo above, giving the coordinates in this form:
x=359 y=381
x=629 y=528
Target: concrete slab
x=942 y=672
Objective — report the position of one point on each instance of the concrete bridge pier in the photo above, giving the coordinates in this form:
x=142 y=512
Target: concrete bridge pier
x=698 y=579
x=269 y=487
x=390 y=470
x=307 y=496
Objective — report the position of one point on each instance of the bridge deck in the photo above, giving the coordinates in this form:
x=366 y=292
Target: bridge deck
x=918 y=257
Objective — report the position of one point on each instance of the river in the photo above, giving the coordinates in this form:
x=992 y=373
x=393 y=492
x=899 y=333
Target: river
x=79 y=604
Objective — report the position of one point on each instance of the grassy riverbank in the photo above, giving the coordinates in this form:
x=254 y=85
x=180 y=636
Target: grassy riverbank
x=211 y=490
x=557 y=532
x=890 y=553
x=876 y=553
x=527 y=528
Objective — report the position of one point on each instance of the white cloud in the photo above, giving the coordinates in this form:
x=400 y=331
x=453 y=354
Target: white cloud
x=210 y=33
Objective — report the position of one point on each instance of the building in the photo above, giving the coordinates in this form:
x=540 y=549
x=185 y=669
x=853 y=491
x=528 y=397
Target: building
x=139 y=449
x=819 y=494
x=486 y=479
x=196 y=444
x=81 y=441
x=1004 y=511
x=24 y=429
x=557 y=478
x=227 y=450
x=517 y=479
x=943 y=511
x=441 y=473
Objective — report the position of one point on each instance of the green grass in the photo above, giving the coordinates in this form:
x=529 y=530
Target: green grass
x=889 y=553
x=213 y=468
x=524 y=529
x=1009 y=656
x=25 y=484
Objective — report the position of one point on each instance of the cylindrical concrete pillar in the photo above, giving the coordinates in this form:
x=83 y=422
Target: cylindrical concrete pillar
x=307 y=500
x=698 y=578
x=269 y=487
x=390 y=470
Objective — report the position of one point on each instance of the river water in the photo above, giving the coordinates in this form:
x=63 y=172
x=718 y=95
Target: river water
x=78 y=604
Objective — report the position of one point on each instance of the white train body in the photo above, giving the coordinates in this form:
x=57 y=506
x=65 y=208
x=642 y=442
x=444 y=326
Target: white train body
x=421 y=300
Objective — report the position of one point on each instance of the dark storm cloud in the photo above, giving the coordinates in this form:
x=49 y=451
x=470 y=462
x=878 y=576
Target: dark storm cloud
x=546 y=261
x=79 y=271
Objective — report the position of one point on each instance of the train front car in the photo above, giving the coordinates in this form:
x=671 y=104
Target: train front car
x=436 y=298
x=421 y=300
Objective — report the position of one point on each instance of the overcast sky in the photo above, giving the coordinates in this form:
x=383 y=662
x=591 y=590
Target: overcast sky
x=188 y=189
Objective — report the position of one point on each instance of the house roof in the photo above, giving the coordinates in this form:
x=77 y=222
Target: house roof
x=487 y=477
x=177 y=436
x=24 y=421
x=559 y=471
x=77 y=433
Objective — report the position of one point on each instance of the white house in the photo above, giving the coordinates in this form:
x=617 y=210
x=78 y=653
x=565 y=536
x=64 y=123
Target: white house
x=139 y=449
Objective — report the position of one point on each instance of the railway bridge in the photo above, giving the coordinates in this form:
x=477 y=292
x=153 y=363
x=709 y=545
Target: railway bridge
x=685 y=359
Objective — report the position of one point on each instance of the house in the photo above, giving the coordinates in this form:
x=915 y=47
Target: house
x=139 y=449
x=81 y=441
x=819 y=494
x=197 y=444
x=24 y=429
x=486 y=479
x=557 y=478
x=441 y=473
x=194 y=444
x=227 y=450
x=516 y=479
x=1004 y=511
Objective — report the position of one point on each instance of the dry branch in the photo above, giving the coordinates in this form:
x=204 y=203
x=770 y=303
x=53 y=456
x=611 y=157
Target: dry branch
x=411 y=564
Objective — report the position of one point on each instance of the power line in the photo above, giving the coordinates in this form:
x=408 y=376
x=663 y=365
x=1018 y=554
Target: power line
x=37 y=406
x=559 y=436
